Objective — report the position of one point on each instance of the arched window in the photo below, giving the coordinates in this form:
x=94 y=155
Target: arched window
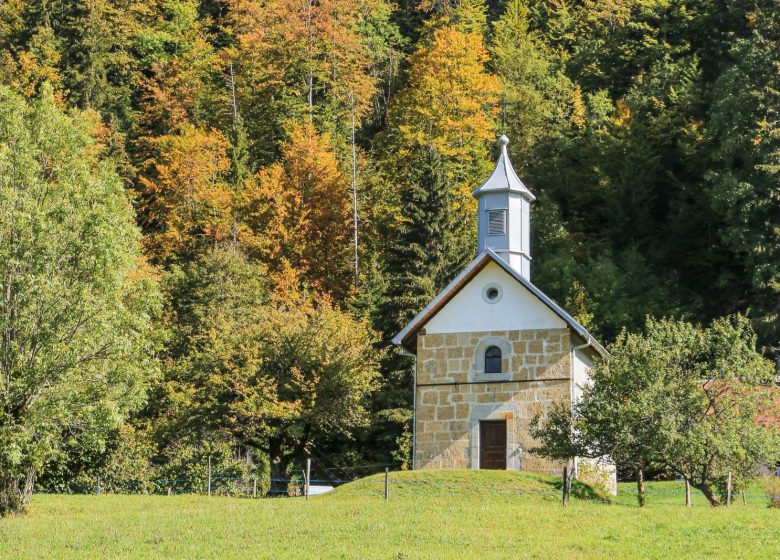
x=493 y=360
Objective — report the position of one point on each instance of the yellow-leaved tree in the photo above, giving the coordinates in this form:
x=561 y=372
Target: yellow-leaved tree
x=448 y=105
x=186 y=203
x=300 y=213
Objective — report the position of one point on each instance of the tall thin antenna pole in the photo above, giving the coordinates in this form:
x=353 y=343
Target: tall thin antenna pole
x=354 y=190
x=503 y=116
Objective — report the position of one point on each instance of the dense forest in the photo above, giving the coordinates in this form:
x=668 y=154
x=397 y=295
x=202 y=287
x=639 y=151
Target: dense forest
x=300 y=171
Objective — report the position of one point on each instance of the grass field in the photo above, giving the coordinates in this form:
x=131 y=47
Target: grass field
x=447 y=514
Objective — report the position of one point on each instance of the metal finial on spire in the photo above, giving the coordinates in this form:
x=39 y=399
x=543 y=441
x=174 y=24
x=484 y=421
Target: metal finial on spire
x=503 y=177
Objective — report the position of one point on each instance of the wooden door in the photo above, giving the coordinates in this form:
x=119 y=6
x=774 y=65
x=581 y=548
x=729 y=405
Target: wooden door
x=492 y=444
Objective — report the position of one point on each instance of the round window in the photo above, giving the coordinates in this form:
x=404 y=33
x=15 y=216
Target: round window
x=492 y=293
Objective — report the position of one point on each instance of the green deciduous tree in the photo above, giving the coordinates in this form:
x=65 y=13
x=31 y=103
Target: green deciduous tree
x=687 y=398
x=75 y=304
x=274 y=373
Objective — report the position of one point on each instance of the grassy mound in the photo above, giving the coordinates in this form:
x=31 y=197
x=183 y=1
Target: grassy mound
x=468 y=483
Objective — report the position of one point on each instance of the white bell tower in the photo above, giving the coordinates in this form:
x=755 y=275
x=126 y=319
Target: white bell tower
x=505 y=215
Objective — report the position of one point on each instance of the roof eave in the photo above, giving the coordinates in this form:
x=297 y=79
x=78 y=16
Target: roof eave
x=429 y=310
x=528 y=195
x=411 y=329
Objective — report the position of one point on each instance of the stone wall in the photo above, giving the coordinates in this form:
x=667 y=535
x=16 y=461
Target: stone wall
x=454 y=393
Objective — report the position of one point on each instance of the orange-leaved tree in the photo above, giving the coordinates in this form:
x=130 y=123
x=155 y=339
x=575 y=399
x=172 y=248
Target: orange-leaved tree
x=186 y=202
x=300 y=213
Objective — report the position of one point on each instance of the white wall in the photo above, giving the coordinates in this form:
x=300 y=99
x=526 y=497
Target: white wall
x=518 y=309
x=580 y=368
x=593 y=471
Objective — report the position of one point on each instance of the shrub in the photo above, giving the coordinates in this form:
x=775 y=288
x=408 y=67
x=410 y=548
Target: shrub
x=771 y=486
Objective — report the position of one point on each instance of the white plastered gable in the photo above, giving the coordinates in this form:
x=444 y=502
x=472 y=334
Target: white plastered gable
x=515 y=308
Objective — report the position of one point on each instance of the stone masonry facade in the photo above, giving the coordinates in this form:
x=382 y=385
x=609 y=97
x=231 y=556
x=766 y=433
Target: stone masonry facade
x=454 y=394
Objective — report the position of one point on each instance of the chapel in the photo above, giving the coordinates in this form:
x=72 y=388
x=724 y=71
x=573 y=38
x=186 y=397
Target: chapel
x=492 y=350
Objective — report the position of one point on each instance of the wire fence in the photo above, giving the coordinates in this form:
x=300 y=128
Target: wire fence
x=394 y=484
x=255 y=486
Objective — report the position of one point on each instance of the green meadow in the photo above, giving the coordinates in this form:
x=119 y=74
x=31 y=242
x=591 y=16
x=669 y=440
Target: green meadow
x=454 y=514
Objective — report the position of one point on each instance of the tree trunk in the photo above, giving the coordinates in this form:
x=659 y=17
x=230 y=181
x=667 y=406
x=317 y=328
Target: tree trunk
x=354 y=191
x=640 y=487
x=15 y=494
x=278 y=486
x=711 y=496
x=687 y=492
x=278 y=469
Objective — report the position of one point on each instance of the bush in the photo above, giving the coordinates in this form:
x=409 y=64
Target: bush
x=128 y=469
x=771 y=486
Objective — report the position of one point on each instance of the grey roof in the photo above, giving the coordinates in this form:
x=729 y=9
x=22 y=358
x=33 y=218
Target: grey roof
x=504 y=177
x=465 y=276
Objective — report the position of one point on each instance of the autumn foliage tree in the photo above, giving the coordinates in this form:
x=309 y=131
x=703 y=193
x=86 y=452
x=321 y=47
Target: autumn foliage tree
x=186 y=201
x=300 y=213
x=449 y=103
x=306 y=59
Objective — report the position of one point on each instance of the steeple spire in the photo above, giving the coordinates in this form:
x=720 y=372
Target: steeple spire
x=505 y=214
x=504 y=176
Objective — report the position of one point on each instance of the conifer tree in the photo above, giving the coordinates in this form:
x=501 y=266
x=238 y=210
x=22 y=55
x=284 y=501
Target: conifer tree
x=424 y=254
x=446 y=108
x=438 y=132
x=743 y=182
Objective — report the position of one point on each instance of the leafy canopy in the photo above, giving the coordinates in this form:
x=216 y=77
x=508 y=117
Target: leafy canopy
x=691 y=399
x=76 y=303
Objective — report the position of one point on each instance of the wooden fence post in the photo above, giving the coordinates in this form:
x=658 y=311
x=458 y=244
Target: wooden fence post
x=387 y=485
x=97 y=487
x=728 y=490
x=254 y=488
x=640 y=487
x=307 y=478
x=209 y=475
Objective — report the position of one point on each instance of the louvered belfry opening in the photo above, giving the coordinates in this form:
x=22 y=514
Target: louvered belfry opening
x=496 y=222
